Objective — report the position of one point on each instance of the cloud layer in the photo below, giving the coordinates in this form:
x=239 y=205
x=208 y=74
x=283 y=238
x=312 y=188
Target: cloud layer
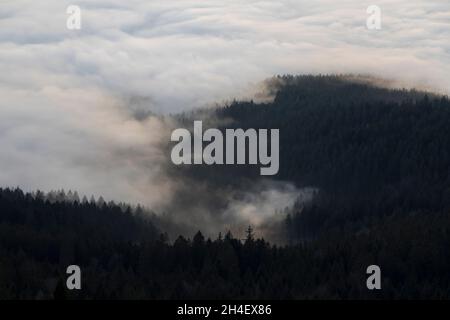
x=182 y=54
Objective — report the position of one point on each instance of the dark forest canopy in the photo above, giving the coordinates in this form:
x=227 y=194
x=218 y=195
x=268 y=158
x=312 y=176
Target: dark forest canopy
x=123 y=257
x=380 y=158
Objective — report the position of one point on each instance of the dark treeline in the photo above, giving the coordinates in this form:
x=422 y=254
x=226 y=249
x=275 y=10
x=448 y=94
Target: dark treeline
x=37 y=236
x=124 y=257
x=380 y=159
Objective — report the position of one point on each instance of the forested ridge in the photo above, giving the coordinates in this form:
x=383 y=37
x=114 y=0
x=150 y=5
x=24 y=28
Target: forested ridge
x=380 y=159
x=372 y=152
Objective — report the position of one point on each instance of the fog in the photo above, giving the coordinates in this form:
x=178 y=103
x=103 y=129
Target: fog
x=81 y=109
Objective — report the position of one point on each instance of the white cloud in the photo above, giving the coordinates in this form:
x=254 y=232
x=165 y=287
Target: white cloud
x=183 y=54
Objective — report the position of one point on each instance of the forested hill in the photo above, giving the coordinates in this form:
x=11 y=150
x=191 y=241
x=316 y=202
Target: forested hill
x=338 y=134
x=376 y=154
x=373 y=152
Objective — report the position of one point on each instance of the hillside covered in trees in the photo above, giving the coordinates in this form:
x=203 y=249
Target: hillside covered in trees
x=380 y=159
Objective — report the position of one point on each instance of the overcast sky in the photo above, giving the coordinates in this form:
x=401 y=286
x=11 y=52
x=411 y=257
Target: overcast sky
x=67 y=96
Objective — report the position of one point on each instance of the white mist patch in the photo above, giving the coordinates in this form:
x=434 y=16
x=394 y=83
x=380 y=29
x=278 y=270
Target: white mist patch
x=268 y=204
x=215 y=208
x=255 y=207
x=84 y=140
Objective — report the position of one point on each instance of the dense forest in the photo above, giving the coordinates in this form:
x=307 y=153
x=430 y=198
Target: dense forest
x=379 y=157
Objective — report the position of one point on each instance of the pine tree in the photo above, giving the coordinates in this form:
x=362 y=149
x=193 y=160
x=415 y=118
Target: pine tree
x=250 y=235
